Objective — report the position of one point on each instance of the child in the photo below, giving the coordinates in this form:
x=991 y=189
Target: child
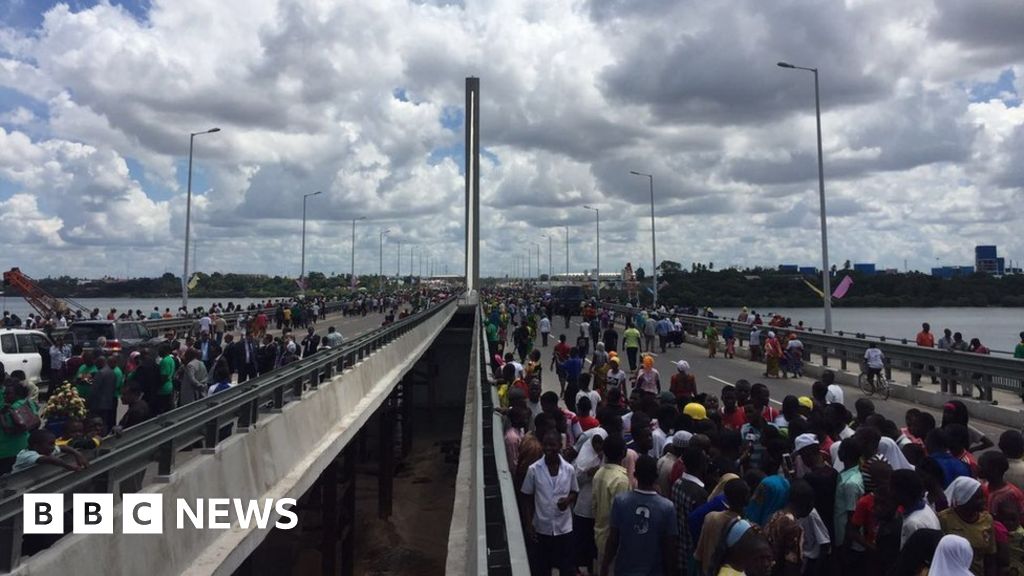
x=1007 y=516
x=75 y=437
x=41 y=450
x=584 y=407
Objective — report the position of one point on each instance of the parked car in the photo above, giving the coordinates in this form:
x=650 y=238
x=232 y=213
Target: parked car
x=121 y=336
x=27 y=351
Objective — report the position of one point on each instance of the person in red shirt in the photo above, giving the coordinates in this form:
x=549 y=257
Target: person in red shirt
x=992 y=465
x=586 y=422
x=760 y=397
x=684 y=385
x=733 y=416
x=872 y=511
x=925 y=339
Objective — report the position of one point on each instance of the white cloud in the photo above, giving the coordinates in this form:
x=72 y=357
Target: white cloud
x=575 y=95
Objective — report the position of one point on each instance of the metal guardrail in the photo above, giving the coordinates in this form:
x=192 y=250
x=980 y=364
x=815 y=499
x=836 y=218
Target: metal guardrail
x=501 y=547
x=981 y=370
x=122 y=460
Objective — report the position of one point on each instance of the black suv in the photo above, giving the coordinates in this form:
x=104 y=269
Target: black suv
x=121 y=336
x=567 y=299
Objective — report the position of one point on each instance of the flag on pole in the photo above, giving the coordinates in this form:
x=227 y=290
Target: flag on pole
x=301 y=283
x=843 y=288
x=193 y=282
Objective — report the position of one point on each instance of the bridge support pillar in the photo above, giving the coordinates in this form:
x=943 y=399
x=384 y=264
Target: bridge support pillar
x=386 y=471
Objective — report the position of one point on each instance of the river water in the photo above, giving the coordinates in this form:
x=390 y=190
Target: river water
x=997 y=328
x=18 y=305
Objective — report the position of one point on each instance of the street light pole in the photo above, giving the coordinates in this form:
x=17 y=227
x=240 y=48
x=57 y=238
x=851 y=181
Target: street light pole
x=566 y=253
x=597 y=212
x=352 y=282
x=826 y=281
x=382 y=233
x=654 y=244
x=302 y=273
x=188 y=215
x=398 y=271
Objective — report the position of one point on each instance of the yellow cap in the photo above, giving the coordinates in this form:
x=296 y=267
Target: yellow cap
x=806 y=402
x=695 y=411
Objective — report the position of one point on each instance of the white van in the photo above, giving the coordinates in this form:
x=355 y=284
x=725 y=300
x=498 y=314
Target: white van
x=25 y=350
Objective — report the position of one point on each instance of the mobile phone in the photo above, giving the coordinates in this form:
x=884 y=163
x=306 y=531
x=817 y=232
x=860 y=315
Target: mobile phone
x=787 y=461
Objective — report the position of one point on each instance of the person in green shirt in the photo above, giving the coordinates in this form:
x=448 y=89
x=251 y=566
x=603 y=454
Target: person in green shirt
x=165 y=395
x=11 y=441
x=631 y=341
x=115 y=362
x=85 y=373
x=711 y=334
x=1018 y=352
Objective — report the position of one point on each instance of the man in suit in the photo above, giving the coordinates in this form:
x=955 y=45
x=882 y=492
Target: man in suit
x=311 y=343
x=242 y=357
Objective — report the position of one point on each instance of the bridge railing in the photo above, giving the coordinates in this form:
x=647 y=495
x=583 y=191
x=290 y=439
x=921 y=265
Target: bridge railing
x=998 y=372
x=501 y=547
x=121 y=461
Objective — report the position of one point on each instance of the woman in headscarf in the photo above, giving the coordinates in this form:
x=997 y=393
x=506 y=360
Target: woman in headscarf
x=772 y=355
x=771 y=494
x=744 y=551
x=955 y=412
x=648 y=380
x=917 y=553
x=891 y=453
x=954 y=556
x=968 y=518
x=591 y=456
x=599 y=367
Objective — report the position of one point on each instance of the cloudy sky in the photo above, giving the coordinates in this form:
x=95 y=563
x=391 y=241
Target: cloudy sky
x=922 y=119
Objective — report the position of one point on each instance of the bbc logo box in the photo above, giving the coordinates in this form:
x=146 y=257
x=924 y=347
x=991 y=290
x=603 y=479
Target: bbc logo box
x=144 y=514
x=93 y=514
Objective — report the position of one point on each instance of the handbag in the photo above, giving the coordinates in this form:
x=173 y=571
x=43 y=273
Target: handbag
x=22 y=419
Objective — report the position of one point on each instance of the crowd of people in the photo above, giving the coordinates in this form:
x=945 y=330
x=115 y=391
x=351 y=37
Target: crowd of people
x=620 y=473
x=181 y=369
x=291 y=312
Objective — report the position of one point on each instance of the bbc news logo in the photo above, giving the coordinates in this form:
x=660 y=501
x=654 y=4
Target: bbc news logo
x=143 y=513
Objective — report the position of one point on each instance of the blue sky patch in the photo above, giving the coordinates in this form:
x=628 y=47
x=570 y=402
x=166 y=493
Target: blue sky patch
x=28 y=14
x=452 y=117
x=1002 y=89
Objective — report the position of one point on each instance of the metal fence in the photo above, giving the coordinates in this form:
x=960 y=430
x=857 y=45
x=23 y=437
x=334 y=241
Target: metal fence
x=985 y=371
x=497 y=513
x=121 y=461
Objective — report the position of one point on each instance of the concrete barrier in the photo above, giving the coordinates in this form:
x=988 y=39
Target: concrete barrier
x=280 y=457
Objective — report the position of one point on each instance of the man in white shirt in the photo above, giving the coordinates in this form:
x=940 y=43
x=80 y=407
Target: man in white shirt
x=875 y=360
x=545 y=330
x=908 y=491
x=550 y=487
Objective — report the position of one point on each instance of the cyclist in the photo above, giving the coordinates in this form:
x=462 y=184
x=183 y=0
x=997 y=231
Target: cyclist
x=875 y=360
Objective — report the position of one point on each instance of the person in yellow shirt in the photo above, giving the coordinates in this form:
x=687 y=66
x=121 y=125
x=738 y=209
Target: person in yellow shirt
x=609 y=481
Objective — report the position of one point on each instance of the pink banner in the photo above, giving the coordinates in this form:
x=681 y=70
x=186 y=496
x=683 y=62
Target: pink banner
x=843 y=288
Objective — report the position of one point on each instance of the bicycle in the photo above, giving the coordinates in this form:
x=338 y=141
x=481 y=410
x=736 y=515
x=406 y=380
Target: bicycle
x=881 y=385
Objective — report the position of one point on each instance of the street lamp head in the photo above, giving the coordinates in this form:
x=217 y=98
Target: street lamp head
x=785 y=65
x=317 y=192
x=212 y=130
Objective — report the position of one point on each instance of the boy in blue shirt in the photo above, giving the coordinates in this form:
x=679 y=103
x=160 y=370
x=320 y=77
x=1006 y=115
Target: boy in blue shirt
x=643 y=530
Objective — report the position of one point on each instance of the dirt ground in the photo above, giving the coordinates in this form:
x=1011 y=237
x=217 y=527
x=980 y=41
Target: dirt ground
x=415 y=539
